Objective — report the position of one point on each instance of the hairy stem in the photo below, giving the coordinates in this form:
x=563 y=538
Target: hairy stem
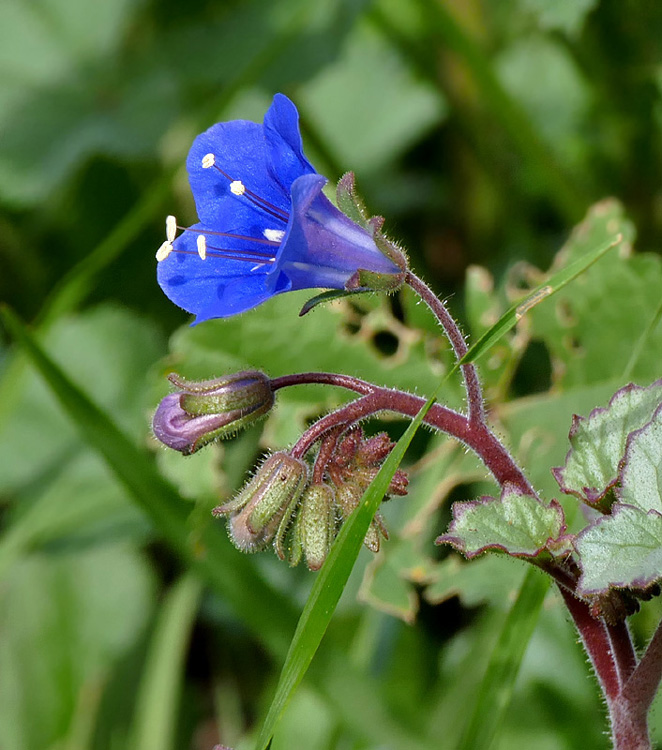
x=475 y=435
x=629 y=724
x=628 y=688
x=596 y=642
x=645 y=678
x=469 y=373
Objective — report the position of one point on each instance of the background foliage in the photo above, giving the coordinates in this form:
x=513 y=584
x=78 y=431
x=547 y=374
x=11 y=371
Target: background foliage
x=484 y=132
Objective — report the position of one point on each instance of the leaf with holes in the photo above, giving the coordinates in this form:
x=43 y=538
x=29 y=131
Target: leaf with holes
x=599 y=441
x=623 y=550
x=516 y=524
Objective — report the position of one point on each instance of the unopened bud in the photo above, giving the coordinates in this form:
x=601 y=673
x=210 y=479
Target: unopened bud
x=316 y=524
x=348 y=497
x=268 y=499
x=206 y=410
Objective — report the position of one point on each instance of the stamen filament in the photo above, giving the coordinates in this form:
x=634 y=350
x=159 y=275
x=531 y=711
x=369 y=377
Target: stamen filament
x=258 y=201
x=272 y=243
x=219 y=252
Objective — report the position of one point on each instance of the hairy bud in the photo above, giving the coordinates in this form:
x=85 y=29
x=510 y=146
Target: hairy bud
x=316 y=524
x=353 y=466
x=206 y=410
x=268 y=500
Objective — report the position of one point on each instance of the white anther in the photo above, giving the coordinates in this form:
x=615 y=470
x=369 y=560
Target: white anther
x=164 y=251
x=208 y=160
x=274 y=235
x=202 y=246
x=237 y=187
x=171 y=228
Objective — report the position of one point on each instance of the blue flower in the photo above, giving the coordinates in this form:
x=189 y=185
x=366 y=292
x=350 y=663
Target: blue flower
x=265 y=227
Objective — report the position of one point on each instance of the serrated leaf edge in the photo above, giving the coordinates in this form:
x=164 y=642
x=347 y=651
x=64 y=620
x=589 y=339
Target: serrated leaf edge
x=638 y=584
x=626 y=455
x=591 y=495
x=462 y=507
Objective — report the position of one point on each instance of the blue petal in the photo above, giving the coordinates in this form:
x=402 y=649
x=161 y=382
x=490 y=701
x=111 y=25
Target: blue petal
x=211 y=288
x=237 y=296
x=285 y=157
x=322 y=247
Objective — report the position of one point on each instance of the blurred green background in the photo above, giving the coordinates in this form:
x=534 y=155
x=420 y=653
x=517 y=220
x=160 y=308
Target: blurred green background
x=483 y=132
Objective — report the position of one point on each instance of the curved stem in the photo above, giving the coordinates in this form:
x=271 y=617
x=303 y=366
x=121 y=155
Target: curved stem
x=475 y=435
x=469 y=373
x=323 y=378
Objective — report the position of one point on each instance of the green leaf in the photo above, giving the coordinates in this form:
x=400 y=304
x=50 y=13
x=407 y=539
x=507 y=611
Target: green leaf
x=492 y=579
x=233 y=577
x=105 y=350
x=540 y=293
x=66 y=621
x=330 y=583
x=623 y=550
x=157 y=704
x=543 y=76
x=519 y=525
x=496 y=689
x=347 y=106
x=560 y=15
x=593 y=330
x=640 y=474
x=386 y=585
x=599 y=441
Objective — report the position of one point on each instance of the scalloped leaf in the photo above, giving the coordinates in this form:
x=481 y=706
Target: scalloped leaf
x=640 y=475
x=621 y=551
x=599 y=442
x=517 y=524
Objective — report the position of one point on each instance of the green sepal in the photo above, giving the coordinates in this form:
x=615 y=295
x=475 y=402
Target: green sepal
x=350 y=203
x=329 y=296
x=375 y=282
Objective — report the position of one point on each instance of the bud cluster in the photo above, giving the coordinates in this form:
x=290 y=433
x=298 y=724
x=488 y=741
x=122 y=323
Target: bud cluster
x=352 y=468
x=281 y=505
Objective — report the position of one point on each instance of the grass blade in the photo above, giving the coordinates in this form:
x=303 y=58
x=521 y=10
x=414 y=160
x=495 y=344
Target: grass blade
x=496 y=688
x=330 y=583
x=157 y=705
x=234 y=577
x=540 y=293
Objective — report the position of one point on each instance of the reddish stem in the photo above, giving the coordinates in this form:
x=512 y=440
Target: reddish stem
x=476 y=435
x=623 y=650
x=596 y=642
x=327 y=446
x=645 y=678
x=452 y=330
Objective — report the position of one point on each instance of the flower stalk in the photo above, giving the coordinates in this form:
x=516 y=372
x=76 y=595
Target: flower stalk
x=265 y=227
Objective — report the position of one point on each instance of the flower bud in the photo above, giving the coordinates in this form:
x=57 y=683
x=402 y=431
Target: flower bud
x=348 y=497
x=206 y=410
x=316 y=524
x=269 y=498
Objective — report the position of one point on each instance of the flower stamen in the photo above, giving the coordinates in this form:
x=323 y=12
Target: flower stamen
x=164 y=251
x=171 y=228
x=202 y=246
x=238 y=188
x=273 y=235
